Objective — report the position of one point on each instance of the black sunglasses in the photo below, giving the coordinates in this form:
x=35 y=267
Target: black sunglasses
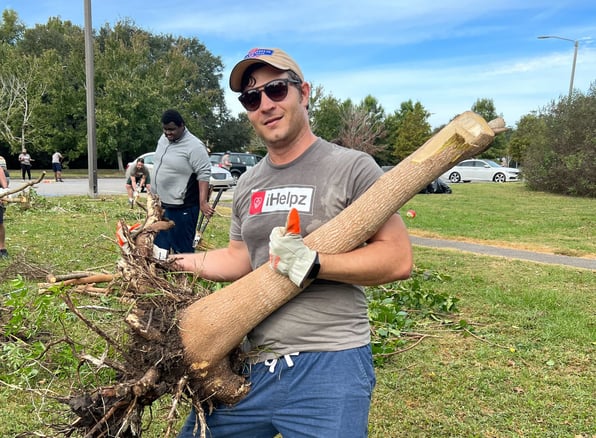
x=276 y=90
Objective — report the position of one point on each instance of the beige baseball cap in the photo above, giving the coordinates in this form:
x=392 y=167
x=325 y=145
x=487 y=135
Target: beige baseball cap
x=274 y=57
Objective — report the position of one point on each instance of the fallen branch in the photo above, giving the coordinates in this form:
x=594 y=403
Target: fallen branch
x=52 y=278
x=91 y=326
x=420 y=337
x=97 y=278
x=22 y=187
x=80 y=280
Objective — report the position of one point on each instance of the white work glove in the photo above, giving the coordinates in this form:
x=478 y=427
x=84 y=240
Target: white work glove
x=2 y=192
x=288 y=255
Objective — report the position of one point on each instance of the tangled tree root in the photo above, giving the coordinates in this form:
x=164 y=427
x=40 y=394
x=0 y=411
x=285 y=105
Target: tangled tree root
x=151 y=363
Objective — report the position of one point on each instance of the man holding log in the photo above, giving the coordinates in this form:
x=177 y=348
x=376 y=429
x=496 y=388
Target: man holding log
x=311 y=370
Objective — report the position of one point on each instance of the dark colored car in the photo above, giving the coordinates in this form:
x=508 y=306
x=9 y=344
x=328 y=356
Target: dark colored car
x=436 y=186
x=241 y=161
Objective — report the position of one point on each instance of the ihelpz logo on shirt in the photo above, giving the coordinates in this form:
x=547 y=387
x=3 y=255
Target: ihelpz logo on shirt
x=271 y=200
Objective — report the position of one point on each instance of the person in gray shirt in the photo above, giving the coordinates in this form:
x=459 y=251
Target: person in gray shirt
x=311 y=370
x=181 y=173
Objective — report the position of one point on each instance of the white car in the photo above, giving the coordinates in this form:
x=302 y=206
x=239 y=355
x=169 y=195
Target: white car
x=480 y=170
x=221 y=179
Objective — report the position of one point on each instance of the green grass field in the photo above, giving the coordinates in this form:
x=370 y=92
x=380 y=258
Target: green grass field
x=517 y=360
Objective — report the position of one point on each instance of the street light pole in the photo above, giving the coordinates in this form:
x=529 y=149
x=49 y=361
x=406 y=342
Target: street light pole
x=576 y=44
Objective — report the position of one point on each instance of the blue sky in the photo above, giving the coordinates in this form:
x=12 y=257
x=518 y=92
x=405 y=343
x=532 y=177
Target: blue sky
x=444 y=54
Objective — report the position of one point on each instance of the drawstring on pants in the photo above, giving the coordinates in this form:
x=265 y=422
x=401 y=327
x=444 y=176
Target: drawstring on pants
x=271 y=363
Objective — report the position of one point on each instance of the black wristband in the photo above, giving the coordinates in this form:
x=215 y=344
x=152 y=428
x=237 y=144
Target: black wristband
x=314 y=270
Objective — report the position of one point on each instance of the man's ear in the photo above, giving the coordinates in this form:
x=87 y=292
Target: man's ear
x=305 y=96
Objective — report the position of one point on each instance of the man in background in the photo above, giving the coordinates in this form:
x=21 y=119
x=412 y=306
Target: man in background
x=137 y=179
x=225 y=161
x=25 y=160
x=3 y=187
x=57 y=165
x=3 y=165
x=181 y=173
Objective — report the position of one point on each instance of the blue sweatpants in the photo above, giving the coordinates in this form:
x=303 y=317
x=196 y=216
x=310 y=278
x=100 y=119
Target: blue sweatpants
x=324 y=394
x=179 y=239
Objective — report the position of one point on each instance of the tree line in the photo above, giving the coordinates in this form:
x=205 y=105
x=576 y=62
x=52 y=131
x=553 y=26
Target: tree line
x=138 y=75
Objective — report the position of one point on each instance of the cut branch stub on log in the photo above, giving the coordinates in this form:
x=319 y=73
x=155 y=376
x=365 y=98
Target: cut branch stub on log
x=213 y=326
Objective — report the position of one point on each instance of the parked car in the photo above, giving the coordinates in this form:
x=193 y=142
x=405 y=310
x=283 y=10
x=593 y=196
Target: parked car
x=148 y=157
x=241 y=161
x=438 y=186
x=480 y=170
x=220 y=179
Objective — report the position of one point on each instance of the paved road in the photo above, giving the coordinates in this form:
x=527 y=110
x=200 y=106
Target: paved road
x=115 y=186
x=105 y=186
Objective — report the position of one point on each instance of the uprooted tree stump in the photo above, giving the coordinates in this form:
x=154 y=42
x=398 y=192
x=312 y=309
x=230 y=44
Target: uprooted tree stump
x=151 y=362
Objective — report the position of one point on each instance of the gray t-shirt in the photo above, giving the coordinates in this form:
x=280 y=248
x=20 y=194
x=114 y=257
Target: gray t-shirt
x=326 y=316
x=177 y=166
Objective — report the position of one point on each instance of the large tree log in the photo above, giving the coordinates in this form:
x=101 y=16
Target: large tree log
x=213 y=326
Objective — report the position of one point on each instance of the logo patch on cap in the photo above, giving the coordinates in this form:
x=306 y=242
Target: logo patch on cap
x=255 y=53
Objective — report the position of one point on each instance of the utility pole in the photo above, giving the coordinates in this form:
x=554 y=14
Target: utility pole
x=90 y=89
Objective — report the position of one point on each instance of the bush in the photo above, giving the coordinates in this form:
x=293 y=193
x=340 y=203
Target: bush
x=559 y=146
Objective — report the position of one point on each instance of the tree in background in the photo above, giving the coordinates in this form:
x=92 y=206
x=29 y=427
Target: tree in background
x=521 y=139
x=137 y=76
x=133 y=91
x=486 y=108
x=236 y=134
x=358 y=127
x=560 y=146
x=326 y=114
x=407 y=129
x=23 y=85
x=362 y=126
x=11 y=27
x=61 y=121
x=366 y=127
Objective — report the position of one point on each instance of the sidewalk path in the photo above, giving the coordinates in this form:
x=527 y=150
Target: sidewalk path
x=576 y=262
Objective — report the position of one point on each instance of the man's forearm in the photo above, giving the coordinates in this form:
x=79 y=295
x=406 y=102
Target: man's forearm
x=203 y=192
